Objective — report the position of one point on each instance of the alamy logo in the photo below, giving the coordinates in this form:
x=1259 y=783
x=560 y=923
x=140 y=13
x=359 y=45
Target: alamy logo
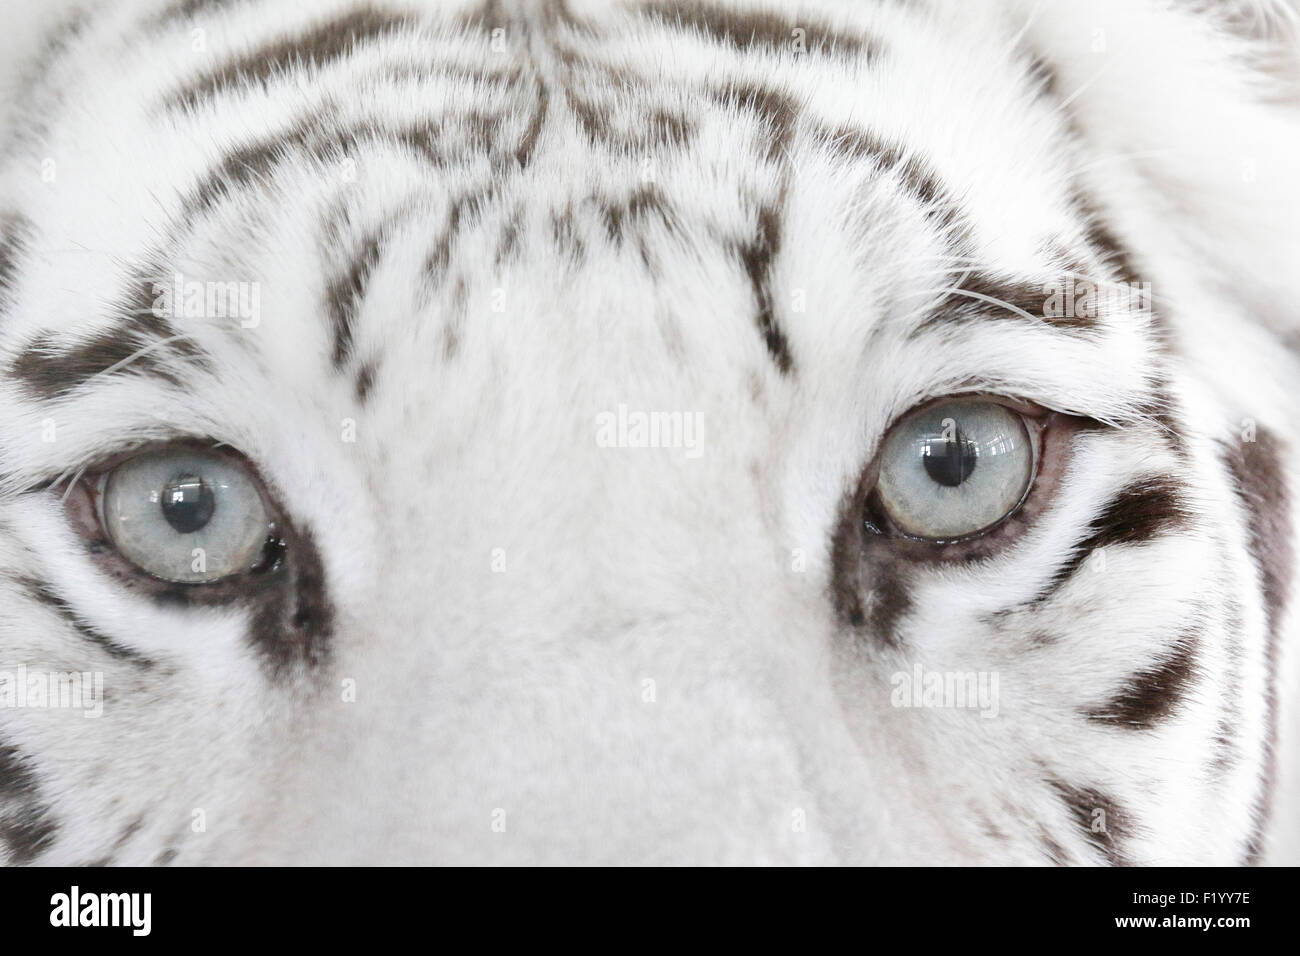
x=195 y=299
x=972 y=690
x=626 y=428
x=103 y=909
x=1087 y=300
x=72 y=690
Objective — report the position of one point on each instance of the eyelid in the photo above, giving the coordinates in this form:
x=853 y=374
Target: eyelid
x=1036 y=417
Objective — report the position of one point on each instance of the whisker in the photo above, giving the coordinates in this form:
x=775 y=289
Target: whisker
x=993 y=300
x=1060 y=107
x=72 y=484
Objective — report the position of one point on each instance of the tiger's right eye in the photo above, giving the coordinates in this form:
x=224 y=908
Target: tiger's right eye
x=954 y=470
x=186 y=515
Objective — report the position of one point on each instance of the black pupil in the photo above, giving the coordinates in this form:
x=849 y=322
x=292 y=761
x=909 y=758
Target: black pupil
x=950 y=461
x=187 y=503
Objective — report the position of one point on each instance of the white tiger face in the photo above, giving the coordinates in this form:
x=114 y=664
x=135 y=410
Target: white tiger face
x=653 y=432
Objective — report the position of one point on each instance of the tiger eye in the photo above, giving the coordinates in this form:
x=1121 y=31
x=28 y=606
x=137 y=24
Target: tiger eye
x=186 y=514
x=955 y=469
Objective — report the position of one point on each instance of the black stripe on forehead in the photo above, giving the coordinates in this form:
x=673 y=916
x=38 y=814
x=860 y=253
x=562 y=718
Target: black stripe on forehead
x=524 y=151
x=438 y=141
x=659 y=128
x=464 y=209
x=916 y=176
x=141 y=343
x=777 y=111
x=978 y=293
x=644 y=204
x=756 y=256
x=1099 y=234
x=760 y=31
x=344 y=295
x=1258 y=472
x=320 y=45
x=26 y=826
x=254 y=162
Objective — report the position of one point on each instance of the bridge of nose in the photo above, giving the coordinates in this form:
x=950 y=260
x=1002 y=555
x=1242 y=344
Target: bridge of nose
x=550 y=745
x=590 y=644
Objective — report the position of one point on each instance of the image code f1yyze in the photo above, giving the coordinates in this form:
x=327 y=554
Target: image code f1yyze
x=653 y=432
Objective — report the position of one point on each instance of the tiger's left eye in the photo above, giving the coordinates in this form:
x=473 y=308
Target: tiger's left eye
x=953 y=470
x=186 y=515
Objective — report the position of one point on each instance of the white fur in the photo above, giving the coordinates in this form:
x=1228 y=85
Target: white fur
x=522 y=690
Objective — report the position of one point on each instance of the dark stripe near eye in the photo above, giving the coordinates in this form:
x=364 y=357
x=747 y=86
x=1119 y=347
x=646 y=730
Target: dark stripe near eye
x=142 y=343
x=1151 y=695
x=980 y=297
x=48 y=371
x=870 y=595
x=292 y=625
x=1098 y=819
x=43 y=593
x=1141 y=511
